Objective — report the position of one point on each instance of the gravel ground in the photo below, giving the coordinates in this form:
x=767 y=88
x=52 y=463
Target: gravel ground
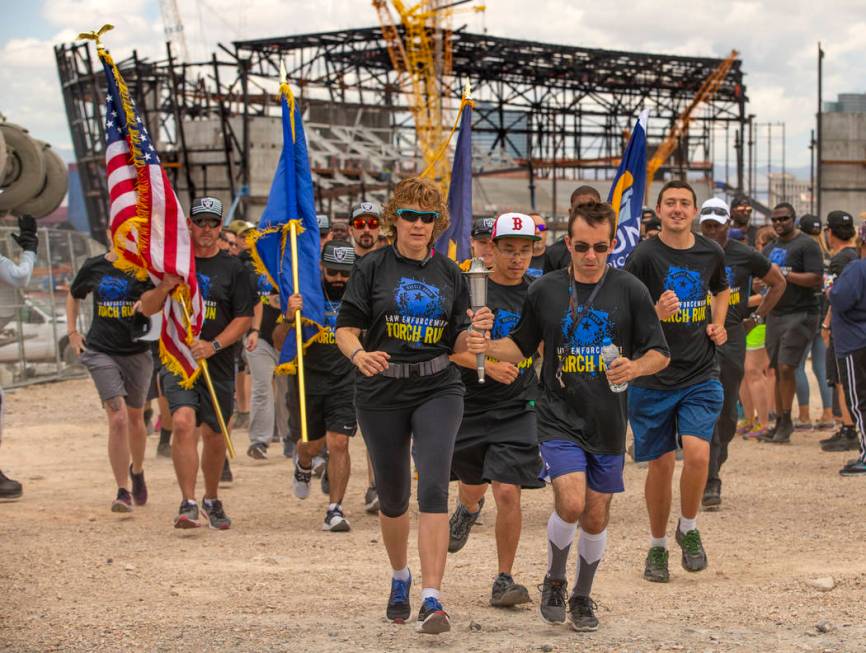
x=76 y=577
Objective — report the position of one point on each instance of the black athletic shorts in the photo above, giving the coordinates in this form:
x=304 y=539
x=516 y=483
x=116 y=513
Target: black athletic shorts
x=498 y=445
x=334 y=412
x=198 y=397
x=789 y=337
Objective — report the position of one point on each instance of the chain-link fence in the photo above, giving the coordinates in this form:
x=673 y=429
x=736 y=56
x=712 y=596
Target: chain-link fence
x=33 y=342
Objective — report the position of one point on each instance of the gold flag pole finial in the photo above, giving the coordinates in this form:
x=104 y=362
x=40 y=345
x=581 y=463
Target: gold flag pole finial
x=283 y=76
x=97 y=35
x=467 y=91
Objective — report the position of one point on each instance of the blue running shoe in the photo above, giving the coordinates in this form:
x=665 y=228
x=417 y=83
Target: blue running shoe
x=432 y=618
x=398 y=609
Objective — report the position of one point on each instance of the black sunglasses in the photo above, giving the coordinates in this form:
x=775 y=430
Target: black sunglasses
x=714 y=210
x=210 y=223
x=598 y=248
x=783 y=218
x=411 y=215
x=337 y=273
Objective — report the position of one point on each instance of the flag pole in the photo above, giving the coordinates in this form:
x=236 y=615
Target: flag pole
x=299 y=333
x=213 y=397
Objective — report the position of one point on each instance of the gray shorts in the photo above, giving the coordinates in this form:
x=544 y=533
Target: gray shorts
x=120 y=376
x=789 y=337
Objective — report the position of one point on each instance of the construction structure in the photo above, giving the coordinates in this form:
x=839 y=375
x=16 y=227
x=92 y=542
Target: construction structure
x=842 y=163
x=546 y=115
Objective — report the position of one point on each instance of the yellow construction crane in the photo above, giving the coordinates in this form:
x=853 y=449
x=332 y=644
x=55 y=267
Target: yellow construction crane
x=705 y=93
x=422 y=58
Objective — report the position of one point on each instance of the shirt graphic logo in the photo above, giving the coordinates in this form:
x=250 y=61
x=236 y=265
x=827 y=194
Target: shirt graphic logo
x=420 y=319
x=734 y=299
x=263 y=286
x=326 y=335
x=204 y=289
x=778 y=255
x=504 y=322
x=580 y=352
x=689 y=289
x=534 y=273
x=112 y=297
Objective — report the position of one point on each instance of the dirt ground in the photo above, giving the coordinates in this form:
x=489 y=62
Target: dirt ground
x=76 y=577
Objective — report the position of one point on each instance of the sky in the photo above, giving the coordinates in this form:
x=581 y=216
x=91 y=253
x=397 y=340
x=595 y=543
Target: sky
x=777 y=41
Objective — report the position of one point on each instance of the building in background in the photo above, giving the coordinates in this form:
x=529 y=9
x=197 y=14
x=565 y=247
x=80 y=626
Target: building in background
x=785 y=187
x=843 y=154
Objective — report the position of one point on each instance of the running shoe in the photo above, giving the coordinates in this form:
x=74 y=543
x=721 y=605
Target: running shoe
x=552 y=606
x=712 y=499
x=432 y=618
x=242 y=421
x=847 y=441
x=226 y=477
x=507 y=593
x=744 y=426
x=320 y=464
x=9 y=490
x=694 y=556
x=758 y=431
x=656 y=565
x=854 y=468
x=258 y=451
x=139 y=487
x=123 y=502
x=326 y=484
x=800 y=425
x=371 y=500
x=187 y=515
x=781 y=434
x=216 y=516
x=825 y=425
x=163 y=450
x=336 y=522
x=460 y=524
x=581 y=614
x=399 y=609
x=301 y=481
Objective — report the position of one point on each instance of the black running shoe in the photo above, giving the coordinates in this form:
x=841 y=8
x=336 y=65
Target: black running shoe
x=581 y=614
x=226 y=477
x=507 y=593
x=432 y=618
x=460 y=524
x=9 y=490
x=694 y=556
x=552 y=606
x=854 y=468
x=847 y=441
x=139 y=487
x=656 y=565
x=371 y=500
x=216 y=516
x=123 y=502
x=163 y=450
x=187 y=515
x=782 y=434
x=399 y=608
x=712 y=499
x=258 y=451
x=326 y=484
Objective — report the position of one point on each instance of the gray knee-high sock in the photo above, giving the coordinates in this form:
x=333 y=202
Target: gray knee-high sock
x=560 y=535
x=590 y=549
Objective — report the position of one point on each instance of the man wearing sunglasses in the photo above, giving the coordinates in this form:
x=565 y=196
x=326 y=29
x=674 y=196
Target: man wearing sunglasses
x=793 y=322
x=365 y=227
x=539 y=247
x=330 y=395
x=228 y=308
x=742 y=264
x=581 y=422
x=497 y=443
x=680 y=405
x=741 y=215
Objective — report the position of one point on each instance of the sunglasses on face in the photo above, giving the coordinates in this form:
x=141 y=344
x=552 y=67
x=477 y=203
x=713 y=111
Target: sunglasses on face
x=206 y=223
x=540 y=227
x=337 y=273
x=784 y=218
x=361 y=223
x=411 y=215
x=598 y=248
x=714 y=210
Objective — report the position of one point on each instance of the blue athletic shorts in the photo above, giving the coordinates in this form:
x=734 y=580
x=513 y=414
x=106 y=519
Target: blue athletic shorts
x=659 y=417
x=603 y=471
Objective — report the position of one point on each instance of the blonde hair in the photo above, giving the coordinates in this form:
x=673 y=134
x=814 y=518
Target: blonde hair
x=420 y=192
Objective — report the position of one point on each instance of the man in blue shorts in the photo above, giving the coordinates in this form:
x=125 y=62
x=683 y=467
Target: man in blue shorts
x=682 y=403
x=575 y=311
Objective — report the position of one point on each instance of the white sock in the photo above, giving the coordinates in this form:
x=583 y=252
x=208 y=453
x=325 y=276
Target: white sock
x=401 y=574
x=659 y=541
x=334 y=506
x=687 y=525
x=560 y=535
x=590 y=546
x=429 y=592
x=190 y=502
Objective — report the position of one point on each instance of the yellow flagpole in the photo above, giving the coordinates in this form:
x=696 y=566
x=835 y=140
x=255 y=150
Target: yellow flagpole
x=299 y=333
x=213 y=397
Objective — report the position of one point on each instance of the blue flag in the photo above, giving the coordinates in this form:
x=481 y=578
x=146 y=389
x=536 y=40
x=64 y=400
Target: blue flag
x=454 y=241
x=627 y=192
x=291 y=200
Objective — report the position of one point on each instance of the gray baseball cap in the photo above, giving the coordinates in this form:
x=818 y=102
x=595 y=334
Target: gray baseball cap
x=339 y=255
x=367 y=208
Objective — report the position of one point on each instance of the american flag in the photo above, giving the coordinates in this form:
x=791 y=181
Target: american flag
x=148 y=227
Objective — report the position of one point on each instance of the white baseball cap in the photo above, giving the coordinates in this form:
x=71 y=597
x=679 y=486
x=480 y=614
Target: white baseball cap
x=715 y=209
x=514 y=225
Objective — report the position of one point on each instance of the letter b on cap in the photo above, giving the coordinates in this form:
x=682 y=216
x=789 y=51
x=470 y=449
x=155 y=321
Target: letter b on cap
x=517 y=223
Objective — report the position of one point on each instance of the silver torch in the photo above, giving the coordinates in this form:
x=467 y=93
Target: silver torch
x=477 y=275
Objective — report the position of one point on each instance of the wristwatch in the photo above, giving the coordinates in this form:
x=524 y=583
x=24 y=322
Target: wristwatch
x=216 y=345
x=759 y=319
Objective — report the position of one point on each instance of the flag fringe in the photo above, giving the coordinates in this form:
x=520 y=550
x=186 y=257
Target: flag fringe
x=258 y=264
x=291 y=367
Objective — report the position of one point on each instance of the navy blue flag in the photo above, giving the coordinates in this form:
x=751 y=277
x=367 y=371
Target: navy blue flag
x=627 y=192
x=454 y=241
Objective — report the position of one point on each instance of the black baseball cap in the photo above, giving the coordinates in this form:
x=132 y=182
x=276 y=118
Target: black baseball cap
x=324 y=221
x=740 y=201
x=339 y=255
x=836 y=219
x=810 y=224
x=652 y=223
x=482 y=227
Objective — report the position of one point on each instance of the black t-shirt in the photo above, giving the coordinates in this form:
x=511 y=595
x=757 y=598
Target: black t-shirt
x=327 y=370
x=838 y=262
x=412 y=310
x=800 y=254
x=558 y=256
x=537 y=265
x=691 y=273
x=506 y=302
x=114 y=295
x=270 y=315
x=585 y=410
x=225 y=286
x=742 y=264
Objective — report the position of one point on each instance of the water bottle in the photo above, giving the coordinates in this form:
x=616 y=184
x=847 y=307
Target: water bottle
x=609 y=353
